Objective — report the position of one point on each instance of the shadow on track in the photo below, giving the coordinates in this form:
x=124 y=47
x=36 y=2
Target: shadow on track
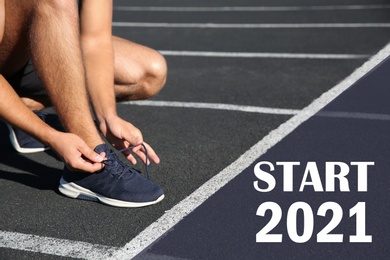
x=28 y=171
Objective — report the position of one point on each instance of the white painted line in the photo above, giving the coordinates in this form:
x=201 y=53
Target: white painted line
x=54 y=246
x=354 y=115
x=253 y=25
x=186 y=206
x=263 y=55
x=217 y=106
x=249 y=8
x=254 y=109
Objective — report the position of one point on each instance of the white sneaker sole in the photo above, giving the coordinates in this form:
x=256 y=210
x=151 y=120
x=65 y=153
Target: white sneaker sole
x=18 y=148
x=75 y=191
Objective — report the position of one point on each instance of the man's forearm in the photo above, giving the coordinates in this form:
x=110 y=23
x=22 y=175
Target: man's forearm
x=56 y=52
x=99 y=61
x=16 y=113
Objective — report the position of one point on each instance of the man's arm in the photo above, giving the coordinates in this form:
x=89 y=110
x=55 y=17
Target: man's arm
x=70 y=147
x=96 y=43
x=98 y=53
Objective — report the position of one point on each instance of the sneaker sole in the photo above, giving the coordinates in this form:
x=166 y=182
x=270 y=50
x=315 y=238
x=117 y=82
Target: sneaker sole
x=15 y=143
x=75 y=191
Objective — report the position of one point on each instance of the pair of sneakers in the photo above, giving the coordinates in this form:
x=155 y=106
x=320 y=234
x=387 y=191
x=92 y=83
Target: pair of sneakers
x=117 y=184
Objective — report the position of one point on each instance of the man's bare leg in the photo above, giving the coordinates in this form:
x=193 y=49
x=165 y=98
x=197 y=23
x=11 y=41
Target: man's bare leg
x=140 y=72
x=136 y=77
x=56 y=53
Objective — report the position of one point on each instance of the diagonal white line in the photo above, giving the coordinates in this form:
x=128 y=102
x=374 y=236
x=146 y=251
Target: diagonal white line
x=253 y=26
x=249 y=8
x=263 y=55
x=186 y=206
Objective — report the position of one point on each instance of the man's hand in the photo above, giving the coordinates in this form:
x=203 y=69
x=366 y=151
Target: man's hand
x=76 y=153
x=122 y=134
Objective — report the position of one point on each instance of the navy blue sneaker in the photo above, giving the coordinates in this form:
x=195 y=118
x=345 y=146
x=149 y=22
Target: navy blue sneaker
x=24 y=143
x=116 y=184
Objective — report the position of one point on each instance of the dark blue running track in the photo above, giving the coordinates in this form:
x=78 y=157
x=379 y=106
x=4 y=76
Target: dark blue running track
x=225 y=226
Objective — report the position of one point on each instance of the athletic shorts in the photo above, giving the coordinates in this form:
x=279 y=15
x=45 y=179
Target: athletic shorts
x=26 y=82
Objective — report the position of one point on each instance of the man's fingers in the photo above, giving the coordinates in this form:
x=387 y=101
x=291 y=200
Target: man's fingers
x=131 y=158
x=89 y=161
x=90 y=167
x=141 y=153
x=152 y=154
x=134 y=136
x=91 y=155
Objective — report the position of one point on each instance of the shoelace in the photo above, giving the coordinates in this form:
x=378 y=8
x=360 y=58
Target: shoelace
x=123 y=165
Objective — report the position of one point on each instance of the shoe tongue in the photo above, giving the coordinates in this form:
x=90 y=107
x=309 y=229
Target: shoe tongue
x=102 y=148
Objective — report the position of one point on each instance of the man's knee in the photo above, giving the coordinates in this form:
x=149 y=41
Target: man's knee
x=140 y=72
x=157 y=75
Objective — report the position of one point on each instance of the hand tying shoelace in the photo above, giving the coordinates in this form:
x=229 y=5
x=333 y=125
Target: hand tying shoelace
x=129 y=149
x=117 y=184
